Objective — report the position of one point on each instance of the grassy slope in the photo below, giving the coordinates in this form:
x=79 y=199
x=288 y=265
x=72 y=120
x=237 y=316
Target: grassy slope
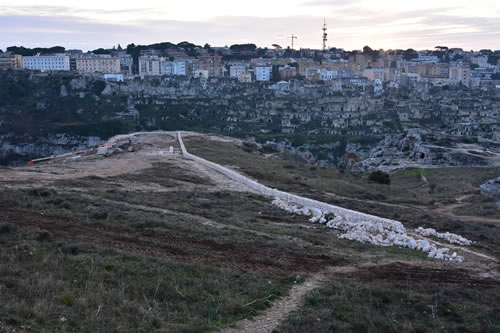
x=98 y=288
x=408 y=198
x=49 y=272
x=93 y=289
x=381 y=305
x=388 y=306
x=52 y=273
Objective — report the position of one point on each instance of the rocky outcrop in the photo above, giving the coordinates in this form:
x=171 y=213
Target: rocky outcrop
x=491 y=188
x=16 y=150
x=419 y=148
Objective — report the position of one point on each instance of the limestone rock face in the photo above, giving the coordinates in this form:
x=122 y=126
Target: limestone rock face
x=78 y=83
x=419 y=148
x=107 y=90
x=491 y=188
x=64 y=91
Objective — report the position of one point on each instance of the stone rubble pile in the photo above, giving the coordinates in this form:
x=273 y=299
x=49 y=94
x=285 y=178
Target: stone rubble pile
x=448 y=236
x=380 y=233
x=357 y=226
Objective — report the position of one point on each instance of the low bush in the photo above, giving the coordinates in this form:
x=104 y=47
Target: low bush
x=380 y=177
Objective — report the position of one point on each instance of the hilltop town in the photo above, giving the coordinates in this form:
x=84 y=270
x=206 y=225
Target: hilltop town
x=346 y=102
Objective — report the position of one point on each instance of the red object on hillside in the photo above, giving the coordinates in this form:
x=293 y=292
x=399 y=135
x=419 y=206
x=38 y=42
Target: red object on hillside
x=30 y=163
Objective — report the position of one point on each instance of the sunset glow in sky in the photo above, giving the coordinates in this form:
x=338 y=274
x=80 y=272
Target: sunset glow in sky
x=384 y=24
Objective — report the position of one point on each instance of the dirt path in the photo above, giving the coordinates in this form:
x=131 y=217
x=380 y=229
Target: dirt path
x=387 y=270
x=447 y=210
x=279 y=311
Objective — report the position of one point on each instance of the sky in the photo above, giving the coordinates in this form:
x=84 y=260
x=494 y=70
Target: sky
x=387 y=24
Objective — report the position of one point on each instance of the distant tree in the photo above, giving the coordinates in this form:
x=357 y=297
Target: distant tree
x=54 y=49
x=485 y=52
x=101 y=51
x=243 y=47
x=119 y=47
x=277 y=47
x=261 y=51
x=410 y=54
x=495 y=76
x=494 y=59
x=31 y=52
x=367 y=49
x=474 y=66
x=206 y=46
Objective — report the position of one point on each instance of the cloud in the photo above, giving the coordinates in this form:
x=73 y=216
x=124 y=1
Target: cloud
x=379 y=29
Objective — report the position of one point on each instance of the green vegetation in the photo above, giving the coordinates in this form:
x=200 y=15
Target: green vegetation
x=391 y=306
x=101 y=290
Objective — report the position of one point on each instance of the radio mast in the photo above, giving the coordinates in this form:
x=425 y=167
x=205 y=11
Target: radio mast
x=324 y=35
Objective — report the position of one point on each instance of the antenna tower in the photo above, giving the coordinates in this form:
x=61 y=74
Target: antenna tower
x=293 y=37
x=324 y=35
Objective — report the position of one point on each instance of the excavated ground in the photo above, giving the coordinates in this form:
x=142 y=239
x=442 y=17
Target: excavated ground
x=158 y=244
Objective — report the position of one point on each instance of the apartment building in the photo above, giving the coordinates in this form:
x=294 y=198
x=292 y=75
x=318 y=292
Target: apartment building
x=263 y=73
x=46 y=63
x=373 y=74
x=434 y=71
x=460 y=74
x=245 y=77
x=176 y=67
x=106 y=65
x=126 y=61
x=10 y=61
x=235 y=70
x=288 y=72
x=210 y=63
x=150 y=65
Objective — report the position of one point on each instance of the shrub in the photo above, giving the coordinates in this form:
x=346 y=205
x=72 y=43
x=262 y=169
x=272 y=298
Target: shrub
x=66 y=298
x=98 y=87
x=44 y=236
x=6 y=228
x=70 y=248
x=380 y=177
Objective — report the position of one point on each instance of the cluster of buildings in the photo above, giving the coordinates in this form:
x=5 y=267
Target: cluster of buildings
x=71 y=60
x=381 y=69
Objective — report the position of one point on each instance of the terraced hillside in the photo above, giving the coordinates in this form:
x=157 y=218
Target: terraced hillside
x=146 y=240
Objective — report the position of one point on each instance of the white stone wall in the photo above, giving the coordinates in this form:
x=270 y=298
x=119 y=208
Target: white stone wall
x=357 y=226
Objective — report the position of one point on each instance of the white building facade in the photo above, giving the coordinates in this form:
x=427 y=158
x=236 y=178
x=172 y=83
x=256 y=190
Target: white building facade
x=235 y=70
x=177 y=67
x=263 y=73
x=46 y=63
